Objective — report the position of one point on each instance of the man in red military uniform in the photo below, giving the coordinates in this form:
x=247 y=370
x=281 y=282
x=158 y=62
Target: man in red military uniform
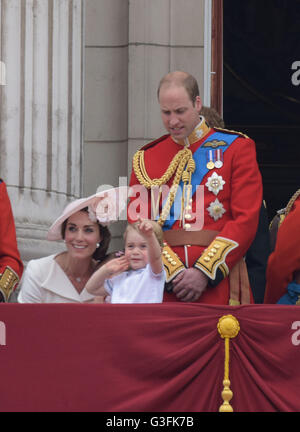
x=11 y=266
x=283 y=269
x=207 y=229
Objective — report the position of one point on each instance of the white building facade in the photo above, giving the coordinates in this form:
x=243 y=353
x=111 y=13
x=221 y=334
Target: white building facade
x=78 y=96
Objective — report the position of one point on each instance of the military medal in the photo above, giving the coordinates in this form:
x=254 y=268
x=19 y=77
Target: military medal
x=210 y=164
x=219 y=162
x=216 y=210
x=215 y=183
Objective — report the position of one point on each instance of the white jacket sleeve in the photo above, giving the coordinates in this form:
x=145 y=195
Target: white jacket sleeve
x=30 y=287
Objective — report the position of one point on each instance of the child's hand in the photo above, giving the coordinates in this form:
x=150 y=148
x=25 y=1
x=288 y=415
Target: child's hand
x=145 y=228
x=116 y=266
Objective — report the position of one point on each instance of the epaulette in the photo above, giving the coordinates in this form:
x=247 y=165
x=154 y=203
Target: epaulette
x=153 y=143
x=231 y=132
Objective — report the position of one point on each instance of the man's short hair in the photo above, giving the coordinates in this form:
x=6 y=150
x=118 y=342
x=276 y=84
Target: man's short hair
x=181 y=79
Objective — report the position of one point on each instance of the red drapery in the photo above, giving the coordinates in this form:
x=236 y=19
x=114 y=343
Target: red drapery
x=147 y=358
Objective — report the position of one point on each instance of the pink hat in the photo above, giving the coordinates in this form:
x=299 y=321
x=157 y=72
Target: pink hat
x=104 y=206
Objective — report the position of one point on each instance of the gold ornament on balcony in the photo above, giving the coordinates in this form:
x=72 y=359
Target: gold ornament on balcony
x=228 y=327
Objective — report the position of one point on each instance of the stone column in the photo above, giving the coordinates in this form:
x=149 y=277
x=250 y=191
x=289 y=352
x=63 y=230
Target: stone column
x=164 y=35
x=40 y=114
x=105 y=99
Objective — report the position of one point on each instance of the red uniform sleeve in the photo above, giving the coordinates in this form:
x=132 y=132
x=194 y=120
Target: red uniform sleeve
x=285 y=260
x=11 y=266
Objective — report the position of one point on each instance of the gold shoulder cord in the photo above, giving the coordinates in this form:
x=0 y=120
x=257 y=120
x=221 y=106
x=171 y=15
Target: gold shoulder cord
x=291 y=202
x=184 y=158
x=288 y=208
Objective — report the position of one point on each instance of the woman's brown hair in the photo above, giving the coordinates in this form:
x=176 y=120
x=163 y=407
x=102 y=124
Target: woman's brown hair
x=100 y=252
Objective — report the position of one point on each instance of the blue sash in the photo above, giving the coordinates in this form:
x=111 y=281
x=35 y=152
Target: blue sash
x=292 y=295
x=200 y=158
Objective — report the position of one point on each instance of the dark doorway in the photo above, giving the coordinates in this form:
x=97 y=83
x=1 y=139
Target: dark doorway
x=261 y=88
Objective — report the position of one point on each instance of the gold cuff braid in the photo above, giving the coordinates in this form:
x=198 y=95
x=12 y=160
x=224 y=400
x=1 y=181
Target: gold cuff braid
x=214 y=257
x=172 y=263
x=8 y=280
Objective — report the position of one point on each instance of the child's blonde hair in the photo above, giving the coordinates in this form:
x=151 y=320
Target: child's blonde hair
x=156 y=229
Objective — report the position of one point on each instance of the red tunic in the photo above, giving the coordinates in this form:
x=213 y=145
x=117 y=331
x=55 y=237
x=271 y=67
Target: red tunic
x=11 y=266
x=284 y=261
x=241 y=198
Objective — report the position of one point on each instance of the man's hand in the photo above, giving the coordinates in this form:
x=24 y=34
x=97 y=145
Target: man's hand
x=189 y=284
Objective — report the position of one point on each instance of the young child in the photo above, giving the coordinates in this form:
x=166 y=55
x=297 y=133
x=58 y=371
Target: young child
x=138 y=276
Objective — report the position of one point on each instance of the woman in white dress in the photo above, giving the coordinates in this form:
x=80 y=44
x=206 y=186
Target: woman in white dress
x=61 y=278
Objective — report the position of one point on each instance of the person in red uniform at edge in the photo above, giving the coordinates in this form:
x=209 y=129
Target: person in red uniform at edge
x=206 y=235
x=283 y=269
x=11 y=266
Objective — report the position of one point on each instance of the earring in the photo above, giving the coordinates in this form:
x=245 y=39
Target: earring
x=98 y=244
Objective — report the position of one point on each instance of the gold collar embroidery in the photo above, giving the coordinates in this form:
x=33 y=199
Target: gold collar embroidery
x=199 y=132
